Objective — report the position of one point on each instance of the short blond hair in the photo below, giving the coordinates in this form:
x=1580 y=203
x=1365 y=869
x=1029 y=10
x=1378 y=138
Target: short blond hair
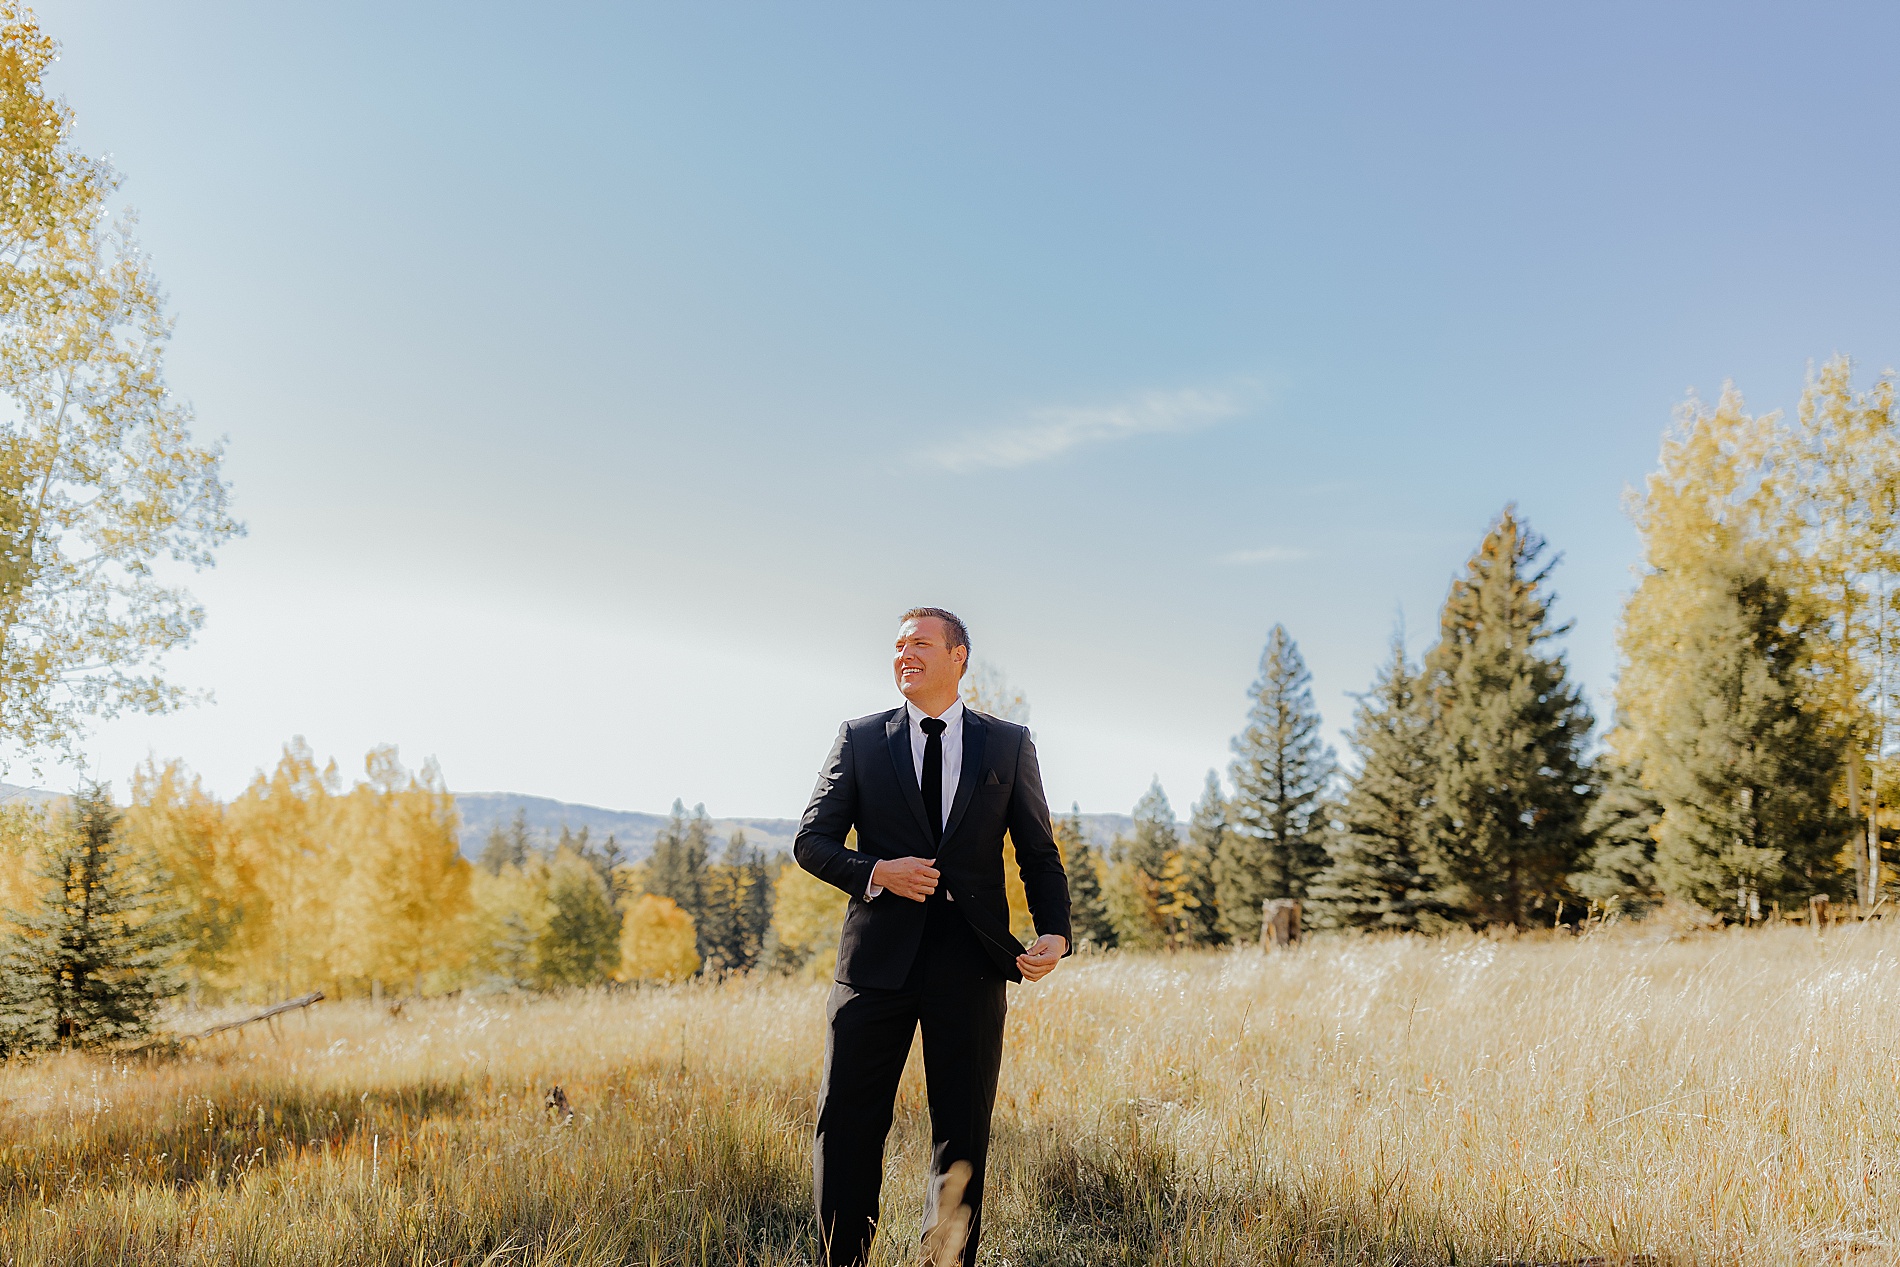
x=958 y=634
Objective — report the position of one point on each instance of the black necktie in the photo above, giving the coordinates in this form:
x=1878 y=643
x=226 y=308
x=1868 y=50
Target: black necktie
x=933 y=776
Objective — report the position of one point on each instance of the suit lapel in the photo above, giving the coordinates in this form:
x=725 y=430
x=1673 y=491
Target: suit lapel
x=975 y=736
x=897 y=739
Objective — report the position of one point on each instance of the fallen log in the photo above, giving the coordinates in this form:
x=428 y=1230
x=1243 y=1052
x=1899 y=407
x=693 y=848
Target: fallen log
x=275 y=1009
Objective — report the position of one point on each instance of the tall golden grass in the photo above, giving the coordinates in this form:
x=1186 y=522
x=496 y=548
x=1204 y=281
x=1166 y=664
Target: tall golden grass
x=1730 y=1098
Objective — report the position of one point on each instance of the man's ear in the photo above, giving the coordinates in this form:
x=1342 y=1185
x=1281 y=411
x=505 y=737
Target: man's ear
x=963 y=659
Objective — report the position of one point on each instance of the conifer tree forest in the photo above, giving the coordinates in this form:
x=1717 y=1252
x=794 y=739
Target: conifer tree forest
x=94 y=956
x=303 y=883
x=1748 y=767
x=1750 y=764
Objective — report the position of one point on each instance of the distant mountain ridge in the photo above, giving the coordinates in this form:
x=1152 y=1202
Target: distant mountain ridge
x=11 y=792
x=635 y=831
x=482 y=812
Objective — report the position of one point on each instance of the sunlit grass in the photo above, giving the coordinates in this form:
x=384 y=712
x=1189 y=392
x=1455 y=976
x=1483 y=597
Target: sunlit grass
x=1730 y=1098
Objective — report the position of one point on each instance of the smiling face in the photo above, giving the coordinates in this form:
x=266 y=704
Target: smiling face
x=926 y=666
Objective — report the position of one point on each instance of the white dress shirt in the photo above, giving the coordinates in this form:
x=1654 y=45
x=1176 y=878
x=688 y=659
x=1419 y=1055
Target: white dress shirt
x=952 y=750
x=952 y=719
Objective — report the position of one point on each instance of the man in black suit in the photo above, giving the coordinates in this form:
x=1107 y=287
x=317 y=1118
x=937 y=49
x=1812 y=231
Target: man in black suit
x=930 y=789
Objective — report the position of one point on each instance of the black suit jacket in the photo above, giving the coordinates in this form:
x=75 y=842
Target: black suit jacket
x=870 y=783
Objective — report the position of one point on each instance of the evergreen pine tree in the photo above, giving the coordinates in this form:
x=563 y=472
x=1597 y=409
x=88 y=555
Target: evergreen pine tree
x=580 y=945
x=1190 y=901
x=507 y=846
x=494 y=854
x=756 y=905
x=677 y=869
x=1137 y=862
x=516 y=950
x=1373 y=878
x=717 y=926
x=723 y=935
x=610 y=859
x=665 y=865
x=94 y=960
x=1088 y=914
x=1273 y=845
x=1155 y=835
x=1511 y=790
x=1746 y=774
x=1620 y=869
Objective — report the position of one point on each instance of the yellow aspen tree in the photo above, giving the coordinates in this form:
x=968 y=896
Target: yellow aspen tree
x=1179 y=901
x=1717 y=498
x=1132 y=895
x=1848 y=473
x=1727 y=704
x=103 y=477
x=25 y=831
x=509 y=916
x=656 y=942
x=179 y=833
x=408 y=893
x=1021 y=923
x=807 y=914
x=287 y=830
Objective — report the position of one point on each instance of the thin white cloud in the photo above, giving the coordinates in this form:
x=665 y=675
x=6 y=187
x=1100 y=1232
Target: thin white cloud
x=1266 y=554
x=1051 y=432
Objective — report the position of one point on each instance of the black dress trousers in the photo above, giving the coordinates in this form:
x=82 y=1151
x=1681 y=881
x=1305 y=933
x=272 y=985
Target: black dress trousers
x=956 y=993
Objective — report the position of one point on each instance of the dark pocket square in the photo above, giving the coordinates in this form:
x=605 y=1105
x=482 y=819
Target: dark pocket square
x=990 y=779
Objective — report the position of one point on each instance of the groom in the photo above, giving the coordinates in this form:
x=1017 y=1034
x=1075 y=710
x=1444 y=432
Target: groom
x=930 y=789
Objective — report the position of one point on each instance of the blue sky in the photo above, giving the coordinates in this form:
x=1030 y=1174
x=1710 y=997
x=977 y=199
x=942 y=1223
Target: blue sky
x=600 y=382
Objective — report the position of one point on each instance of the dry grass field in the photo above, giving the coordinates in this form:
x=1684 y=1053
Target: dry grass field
x=1728 y=1098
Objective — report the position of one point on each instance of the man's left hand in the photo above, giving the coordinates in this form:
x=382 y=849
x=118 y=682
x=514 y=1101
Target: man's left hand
x=1040 y=959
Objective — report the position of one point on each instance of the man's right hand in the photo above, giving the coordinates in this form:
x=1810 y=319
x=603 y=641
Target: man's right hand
x=913 y=878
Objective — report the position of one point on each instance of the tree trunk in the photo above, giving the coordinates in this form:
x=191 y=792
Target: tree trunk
x=1853 y=813
x=1873 y=835
x=1280 y=923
